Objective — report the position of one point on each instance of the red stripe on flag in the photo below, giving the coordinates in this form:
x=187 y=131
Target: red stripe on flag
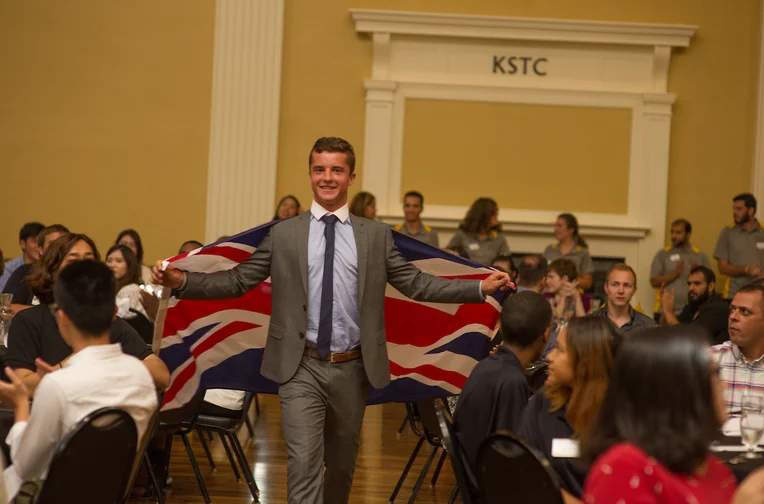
x=183 y=314
x=415 y=324
x=218 y=336
x=179 y=381
x=234 y=254
x=431 y=372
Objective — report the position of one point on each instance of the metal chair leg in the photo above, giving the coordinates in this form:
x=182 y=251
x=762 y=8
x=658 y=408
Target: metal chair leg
x=230 y=457
x=406 y=469
x=438 y=468
x=155 y=486
x=403 y=426
x=257 y=407
x=195 y=465
x=422 y=475
x=206 y=448
x=454 y=495
x=245 y=468
x=209 y=435
x=249 y=427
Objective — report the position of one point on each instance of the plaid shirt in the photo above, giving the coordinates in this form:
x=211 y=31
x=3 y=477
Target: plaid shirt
x=742 y=377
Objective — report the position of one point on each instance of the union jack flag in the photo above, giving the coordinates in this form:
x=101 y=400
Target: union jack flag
x=432 y=347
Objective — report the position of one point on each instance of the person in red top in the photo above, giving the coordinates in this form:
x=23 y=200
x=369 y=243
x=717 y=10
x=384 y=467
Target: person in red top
x=664 y=406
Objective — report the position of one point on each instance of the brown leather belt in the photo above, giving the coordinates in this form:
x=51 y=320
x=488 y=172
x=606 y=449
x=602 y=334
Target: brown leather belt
x=335 y=357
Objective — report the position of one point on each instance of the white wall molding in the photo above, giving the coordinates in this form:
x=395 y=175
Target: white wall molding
x=246 y=86
x=582 y=64
x=515 y=28
x=757 y=173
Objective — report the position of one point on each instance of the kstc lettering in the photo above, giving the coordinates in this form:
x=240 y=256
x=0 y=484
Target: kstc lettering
x=512 y=65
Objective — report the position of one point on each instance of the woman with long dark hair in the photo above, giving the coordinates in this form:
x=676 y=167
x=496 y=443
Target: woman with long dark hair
x=289 y=206
x=127 y=272
x=130 y=238
x=34 y=338
x=580 y=365
x=571 y=245
x=664 y=406
x=479 y=237
x=364 y=204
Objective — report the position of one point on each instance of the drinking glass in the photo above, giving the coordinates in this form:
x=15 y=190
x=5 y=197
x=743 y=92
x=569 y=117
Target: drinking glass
x=751 y=423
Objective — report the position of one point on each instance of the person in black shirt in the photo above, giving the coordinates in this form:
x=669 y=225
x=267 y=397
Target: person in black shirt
x=704 y=308
x=580 y=366
x=35 y=345
x=497 y=390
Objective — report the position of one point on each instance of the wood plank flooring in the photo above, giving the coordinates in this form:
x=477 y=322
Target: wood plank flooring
x=380 y=462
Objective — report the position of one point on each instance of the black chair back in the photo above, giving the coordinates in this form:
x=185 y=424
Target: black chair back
x=537 y=374
x=142 y=446
x=510 y=470
x=428 y=419
x=92 y=464
x=464 y=481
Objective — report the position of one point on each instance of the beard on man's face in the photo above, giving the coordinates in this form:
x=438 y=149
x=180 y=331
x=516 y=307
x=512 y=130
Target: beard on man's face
x=742 y=220
x=696 y=300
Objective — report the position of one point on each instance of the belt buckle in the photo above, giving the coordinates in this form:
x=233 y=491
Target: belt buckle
x=330 y=357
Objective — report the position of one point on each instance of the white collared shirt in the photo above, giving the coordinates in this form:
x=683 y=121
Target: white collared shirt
x=318 y=211
x=96 y=377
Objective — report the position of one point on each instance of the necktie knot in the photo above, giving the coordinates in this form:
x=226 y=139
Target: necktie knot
x=330 y=219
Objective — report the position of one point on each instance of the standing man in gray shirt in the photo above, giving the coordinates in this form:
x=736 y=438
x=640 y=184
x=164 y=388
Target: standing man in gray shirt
x=671 y=265
x=413 y=204
x=740 y=248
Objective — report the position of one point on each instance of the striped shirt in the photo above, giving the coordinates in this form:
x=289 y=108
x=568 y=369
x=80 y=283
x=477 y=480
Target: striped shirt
x=740 y=376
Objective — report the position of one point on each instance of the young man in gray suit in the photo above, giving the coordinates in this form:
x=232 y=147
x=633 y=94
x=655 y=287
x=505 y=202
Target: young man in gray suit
x=326 y=339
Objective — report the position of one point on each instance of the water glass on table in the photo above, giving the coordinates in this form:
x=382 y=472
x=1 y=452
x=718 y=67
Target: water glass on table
x=751 y=423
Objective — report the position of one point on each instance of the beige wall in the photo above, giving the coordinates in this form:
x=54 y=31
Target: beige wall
x=104 y=105
x=325 y=63
x=104 y=118
x=525 y=156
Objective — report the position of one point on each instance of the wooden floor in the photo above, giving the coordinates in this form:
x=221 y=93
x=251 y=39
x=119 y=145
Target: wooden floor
x=380 y=462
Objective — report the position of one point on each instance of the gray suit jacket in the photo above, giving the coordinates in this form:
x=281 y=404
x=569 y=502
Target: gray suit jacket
x=283 y=255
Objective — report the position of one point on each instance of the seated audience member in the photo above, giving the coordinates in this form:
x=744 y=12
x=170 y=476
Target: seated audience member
x=34 y=338
x=131 y=238
x=479 y=237
x=741 y=359
x=497 y=390
x=571 y=245
x=671 y=265
x=364 y=204
x=29 y=251
x=704 y=308
x=506 y=264
x=580 y=367
x=127 y=272
x=288 y=207
x=532 y=273
x=620 y=287
x=663 y=408
x=189 y=246
x=562 y=290
x=97 y=375
x=17 y=284
x=413 y=205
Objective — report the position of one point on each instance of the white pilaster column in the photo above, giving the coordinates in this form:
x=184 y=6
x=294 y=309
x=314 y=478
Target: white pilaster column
x=246 y=86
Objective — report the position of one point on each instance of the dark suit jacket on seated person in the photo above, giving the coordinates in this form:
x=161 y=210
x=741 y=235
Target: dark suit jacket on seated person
x=282 y=255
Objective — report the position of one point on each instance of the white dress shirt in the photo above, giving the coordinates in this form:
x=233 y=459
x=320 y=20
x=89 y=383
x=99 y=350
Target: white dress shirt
x=96 y=377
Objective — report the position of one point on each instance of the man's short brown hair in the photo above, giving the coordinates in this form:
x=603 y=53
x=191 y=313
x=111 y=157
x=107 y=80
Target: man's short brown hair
x=621 y=267
x=334 y=144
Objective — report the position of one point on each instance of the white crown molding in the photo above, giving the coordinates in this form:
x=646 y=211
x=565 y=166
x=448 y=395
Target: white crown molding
x=516 y=28
x=244 y=122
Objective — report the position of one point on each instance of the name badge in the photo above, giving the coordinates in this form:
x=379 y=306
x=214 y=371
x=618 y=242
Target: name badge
x=760 y=245
x=564 y=448
x=475 y=246
x=674 y=257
